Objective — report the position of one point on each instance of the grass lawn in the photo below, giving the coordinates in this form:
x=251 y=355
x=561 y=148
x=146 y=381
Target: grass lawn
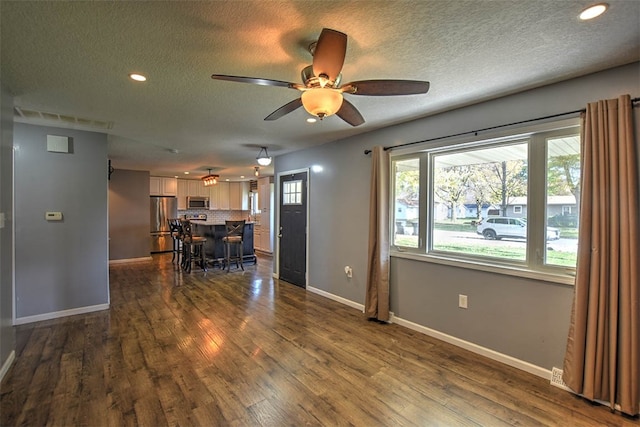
x=479 y=248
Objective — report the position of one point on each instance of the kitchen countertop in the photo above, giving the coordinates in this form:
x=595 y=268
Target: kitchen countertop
x=208 y=222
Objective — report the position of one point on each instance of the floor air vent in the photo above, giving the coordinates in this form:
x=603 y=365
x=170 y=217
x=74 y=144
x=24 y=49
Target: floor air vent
x=556 y=379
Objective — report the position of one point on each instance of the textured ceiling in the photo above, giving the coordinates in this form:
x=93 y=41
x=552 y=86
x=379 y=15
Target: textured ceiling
x=72 y=59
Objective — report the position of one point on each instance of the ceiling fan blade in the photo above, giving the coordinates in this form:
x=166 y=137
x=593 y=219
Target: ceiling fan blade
x=329 y=54
x=285 y=109
x=350 y=114
x=386 y=87
x=257 y=81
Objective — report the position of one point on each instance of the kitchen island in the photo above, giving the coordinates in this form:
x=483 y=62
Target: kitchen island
x=214 y=232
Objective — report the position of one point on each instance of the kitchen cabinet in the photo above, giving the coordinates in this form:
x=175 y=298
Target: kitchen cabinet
x=214 y=246
x=226 y=196
x=265 y=188
x=203 y=191
x=190 y=188
x=262 y=238
x=264 y=242
x=197 y=189
x=257 y=238
x=183 y=193
x=162 y=186
x=219 y=197
x=239 y=196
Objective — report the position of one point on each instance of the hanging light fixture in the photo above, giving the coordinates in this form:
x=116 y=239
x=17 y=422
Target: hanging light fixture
x=322 y=102
x=210 y=179
x=256 y=171
x=263 y=159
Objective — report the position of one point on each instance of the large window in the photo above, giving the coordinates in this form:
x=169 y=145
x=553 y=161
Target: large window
x=510 y=202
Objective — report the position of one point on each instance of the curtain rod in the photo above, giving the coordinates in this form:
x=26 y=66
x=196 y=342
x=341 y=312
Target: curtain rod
x=475 y=132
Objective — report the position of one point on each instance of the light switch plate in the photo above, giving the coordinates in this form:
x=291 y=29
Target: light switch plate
x=463 y=301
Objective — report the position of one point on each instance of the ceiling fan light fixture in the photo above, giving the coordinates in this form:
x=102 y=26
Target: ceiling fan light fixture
x=322 y=102
x=210 y=179
x=263 y=159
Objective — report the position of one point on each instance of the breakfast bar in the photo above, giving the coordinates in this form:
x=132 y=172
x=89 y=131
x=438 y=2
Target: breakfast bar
x=214 y=232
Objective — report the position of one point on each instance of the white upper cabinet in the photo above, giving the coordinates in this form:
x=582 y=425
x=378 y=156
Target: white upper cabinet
x=219 y=198
x=162 y=186
x=203 y=191
x=239 y=196
x=193 y=188
x=183 y=193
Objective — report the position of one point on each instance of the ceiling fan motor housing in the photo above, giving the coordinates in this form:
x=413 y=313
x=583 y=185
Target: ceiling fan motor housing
x=311 y=81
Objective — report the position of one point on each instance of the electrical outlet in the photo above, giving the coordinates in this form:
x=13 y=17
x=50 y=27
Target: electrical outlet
x=463 y=301
x=348 y=271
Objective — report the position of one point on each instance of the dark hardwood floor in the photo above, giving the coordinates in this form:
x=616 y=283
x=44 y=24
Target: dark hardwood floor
x=243 y=349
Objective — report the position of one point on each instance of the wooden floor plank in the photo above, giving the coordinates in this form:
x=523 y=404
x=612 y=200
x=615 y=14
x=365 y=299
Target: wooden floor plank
x=242 y=349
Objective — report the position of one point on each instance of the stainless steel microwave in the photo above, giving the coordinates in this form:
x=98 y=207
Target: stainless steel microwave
x=197 y=203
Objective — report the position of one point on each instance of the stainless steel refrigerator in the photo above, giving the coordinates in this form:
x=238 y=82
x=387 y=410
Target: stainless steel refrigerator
x=162 y=208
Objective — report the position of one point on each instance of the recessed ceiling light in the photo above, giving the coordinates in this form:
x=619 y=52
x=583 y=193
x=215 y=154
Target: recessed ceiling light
x=593 y=11
x=186 y=173
x=241 y=176
x=311 y=120
x=137 y=77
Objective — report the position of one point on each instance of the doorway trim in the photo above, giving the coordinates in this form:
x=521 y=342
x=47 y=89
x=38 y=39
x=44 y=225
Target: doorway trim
x=276 y=273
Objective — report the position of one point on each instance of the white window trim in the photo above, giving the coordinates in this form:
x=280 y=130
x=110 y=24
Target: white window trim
x=549 y=273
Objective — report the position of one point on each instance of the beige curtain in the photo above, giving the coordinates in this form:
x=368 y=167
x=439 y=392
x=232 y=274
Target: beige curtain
x=602 y=361
x=377 y=296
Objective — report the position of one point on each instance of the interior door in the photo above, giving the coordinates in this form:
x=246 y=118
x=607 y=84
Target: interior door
x=292 y=231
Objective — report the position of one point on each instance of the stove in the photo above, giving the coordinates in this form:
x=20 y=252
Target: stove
x=199 y=217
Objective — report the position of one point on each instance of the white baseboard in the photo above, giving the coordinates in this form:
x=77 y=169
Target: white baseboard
x=7 y=364
x=336 y=298
x=58 y=314
x=127 y=260
x=474 y=348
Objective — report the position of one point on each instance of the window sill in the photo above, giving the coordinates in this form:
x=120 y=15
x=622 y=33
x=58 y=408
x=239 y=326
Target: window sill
x=564 y=279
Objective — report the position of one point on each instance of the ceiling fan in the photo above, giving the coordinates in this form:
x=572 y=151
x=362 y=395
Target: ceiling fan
x=321 y=88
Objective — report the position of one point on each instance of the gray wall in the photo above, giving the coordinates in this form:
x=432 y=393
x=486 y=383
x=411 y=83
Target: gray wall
x=523 y=318
x=7 y=343
x=60 y=265
x=129 y=214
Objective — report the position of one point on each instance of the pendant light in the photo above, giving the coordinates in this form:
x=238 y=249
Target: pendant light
x=210 y=179
x=263 y=159
x=256 y=171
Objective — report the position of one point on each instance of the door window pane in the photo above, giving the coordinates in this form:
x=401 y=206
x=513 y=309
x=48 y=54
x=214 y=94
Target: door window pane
x=292 y=193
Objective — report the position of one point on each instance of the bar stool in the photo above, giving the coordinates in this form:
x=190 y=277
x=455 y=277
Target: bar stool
x=175 y=228
x=192 y=248
x=233 y=240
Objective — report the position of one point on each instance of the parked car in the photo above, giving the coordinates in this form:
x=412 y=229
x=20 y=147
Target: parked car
x=496 y=228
